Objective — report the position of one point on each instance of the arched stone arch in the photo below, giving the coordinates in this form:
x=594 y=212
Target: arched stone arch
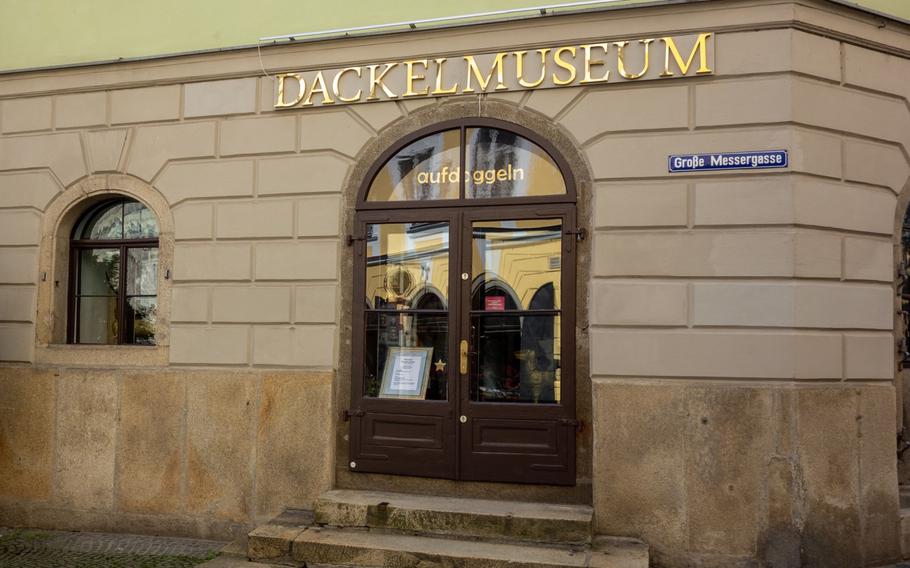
x=53 y=268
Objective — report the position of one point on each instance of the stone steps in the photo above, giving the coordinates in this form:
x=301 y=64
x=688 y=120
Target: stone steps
x=508 y=520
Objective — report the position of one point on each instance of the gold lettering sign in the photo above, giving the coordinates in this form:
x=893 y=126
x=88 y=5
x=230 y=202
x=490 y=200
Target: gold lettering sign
x=559 y=66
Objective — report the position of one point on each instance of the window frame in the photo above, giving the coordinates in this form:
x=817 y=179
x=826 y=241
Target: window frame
x=77 y=246
x=463 y=124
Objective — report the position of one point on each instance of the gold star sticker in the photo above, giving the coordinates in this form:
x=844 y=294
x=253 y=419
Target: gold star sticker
x=440 y=366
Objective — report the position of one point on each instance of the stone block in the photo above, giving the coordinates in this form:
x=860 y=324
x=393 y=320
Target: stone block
x=639 y=303
x=299 y=260
x=20 y=228
x=729 y=433
x=332 y=130
x=641 y=205
x=639 y=462
x=224 y=178
x=612 y=110
x=24 y=115
x=80 y=109
x=154 y=146
x=219 y=345
x=86 y=438
x=211 y=262
x=295 y=346
x=875 y=163
x=190 y=304
x=27 y=189
x=834 y=306
x=310 y=173
x=220 y=416
x=878 y=476
x=148 y=463
x=294 y=433
x=18 y=265
x=258 y=135
x=552 y=102
x=146 y=104
x=725 y=354
x=194 y=221
x=211 y=98
x=869 y=356
x=254 y=219
x=713 y=253
x=316 y=304
x=770 y=51
x=868 y=259
x=62 y=153
x=17 y=303
x=105 y=149
x=825 y=203
x=17 y=342
x=757 y=201
x=26 y=433
x=378 y=115
x=828 y=448
x=743 y=101
x=240 y=304
x=319 y=216
x=272 y=542
x=876 y=70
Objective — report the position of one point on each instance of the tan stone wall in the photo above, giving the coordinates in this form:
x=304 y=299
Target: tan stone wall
x=741 y=323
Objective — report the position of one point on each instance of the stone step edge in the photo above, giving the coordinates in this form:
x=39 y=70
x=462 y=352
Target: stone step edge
x=364 y=547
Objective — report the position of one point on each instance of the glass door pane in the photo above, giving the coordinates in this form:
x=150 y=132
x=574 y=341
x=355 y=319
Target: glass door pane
x=406 y=310
x=515 y=310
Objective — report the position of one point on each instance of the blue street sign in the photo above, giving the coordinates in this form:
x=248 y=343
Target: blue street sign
x=762 y=160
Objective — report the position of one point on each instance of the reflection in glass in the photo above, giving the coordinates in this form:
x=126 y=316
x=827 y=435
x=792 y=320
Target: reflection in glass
x=397 y=329
x=116 y=220
x=515 y=259
x=426 y=169
x=517 y=358
x=405 y=262
x=139 y=323
x=98 y=319
x=499 y=163
x=138 y=221
x=142 y=271
x=99 y=272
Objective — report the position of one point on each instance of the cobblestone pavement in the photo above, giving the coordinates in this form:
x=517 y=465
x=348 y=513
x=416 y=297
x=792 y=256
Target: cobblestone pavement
x=54 y=549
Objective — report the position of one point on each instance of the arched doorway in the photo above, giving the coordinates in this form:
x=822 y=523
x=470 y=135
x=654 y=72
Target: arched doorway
x=468 y=381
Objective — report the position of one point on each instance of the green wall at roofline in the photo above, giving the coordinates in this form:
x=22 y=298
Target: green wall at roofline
x=42 y=33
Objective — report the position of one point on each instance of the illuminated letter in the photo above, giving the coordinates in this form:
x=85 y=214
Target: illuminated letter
x=440 y=90
x=519 y=68
x=337 y=90
x=699 y=48
x=281 y=103
x=318 y=86
x=484 y=81
x=411 y=77
x=560 y=62
x=594 y=62
x=376 y=81
x=621 y=66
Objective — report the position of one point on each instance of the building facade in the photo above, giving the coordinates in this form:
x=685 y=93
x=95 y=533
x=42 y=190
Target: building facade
x=642 y=259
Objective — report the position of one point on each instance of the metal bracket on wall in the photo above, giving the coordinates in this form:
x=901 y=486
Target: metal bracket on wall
x=580 y=234
x=351 y=238
x=346 y=414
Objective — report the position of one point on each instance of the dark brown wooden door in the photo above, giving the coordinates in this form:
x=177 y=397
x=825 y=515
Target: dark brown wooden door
x=484 y=297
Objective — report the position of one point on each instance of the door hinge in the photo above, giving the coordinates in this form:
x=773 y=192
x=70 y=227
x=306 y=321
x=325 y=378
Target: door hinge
x=580 y=234
x=351 y=238
x=577 y=424
x=346 y=414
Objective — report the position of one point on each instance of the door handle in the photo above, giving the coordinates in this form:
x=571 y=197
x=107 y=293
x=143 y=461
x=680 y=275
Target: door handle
x=463 y=367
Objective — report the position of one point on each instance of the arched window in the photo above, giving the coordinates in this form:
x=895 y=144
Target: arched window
x=113 y=289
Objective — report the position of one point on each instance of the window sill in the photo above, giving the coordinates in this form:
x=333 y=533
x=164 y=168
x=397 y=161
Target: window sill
x=85 y=355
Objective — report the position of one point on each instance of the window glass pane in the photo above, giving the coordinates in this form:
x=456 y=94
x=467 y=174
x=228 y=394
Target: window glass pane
x=139 y=323
x=426 y=169
x=98 y=319
x=499 y=163
x=516 y=265
x=407 y=266
x=516 y=358
x=104 y=223
x=141 y=271
x=99 y=272
x=138 y=221
x=387 y=331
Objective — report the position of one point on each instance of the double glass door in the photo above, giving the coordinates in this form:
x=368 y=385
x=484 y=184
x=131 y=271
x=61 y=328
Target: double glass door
x=464 y=344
